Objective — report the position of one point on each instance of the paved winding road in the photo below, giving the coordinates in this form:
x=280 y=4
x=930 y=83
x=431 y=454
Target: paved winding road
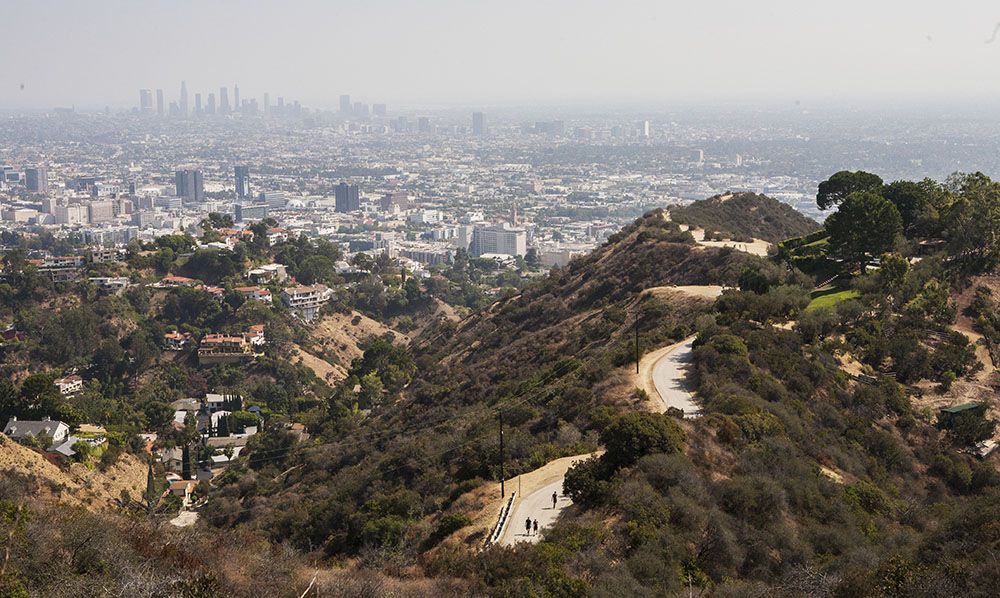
x=667 y=369
x=669 y=374
x=535 y=506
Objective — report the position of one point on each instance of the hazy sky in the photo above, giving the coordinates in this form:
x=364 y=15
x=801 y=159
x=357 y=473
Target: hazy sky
x=97 y=52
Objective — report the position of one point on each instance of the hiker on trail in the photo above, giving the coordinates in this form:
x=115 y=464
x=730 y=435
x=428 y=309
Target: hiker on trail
x=527 y=527
x=555 y=497
x=536 y=527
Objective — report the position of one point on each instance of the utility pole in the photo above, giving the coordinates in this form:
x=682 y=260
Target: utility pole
x=502 y=492
x=637 y=342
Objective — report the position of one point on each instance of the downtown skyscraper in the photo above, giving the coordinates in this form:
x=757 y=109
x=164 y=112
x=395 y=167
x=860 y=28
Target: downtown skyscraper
x=183 y=105
x=478 y=124
x=145 y=101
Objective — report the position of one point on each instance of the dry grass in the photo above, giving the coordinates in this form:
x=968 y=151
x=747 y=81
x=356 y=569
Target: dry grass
x=78 y=485
x=339 y=336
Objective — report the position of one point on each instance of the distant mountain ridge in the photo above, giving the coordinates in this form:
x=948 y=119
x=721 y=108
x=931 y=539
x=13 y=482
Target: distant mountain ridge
x=745 y=216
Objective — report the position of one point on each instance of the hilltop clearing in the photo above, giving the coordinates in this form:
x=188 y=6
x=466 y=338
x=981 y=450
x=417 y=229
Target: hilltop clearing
x=744 y=218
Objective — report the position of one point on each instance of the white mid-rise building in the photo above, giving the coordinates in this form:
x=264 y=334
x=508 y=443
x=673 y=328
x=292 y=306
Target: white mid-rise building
x=306 y=301
x=70 y=215
x=501 y=239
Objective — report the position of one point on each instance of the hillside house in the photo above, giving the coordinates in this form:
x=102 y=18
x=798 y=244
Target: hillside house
x=69 y=385
x=22 y=430
x=223 y=348
x=306 y=301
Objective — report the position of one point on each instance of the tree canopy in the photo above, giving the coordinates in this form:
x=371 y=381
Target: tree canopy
x=842 y=184
x=865 y=225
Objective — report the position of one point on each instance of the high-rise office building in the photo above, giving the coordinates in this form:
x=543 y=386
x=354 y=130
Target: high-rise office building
x=145 y=101
x=478 y=124
x=348 y=198
x=36 y=179
x=224 y=100
x=281 y=105
x=210 y=108
x=159 y=102
x=242 y=181
x=183 y=104
x=644 y=129
x=189 y=185
x=379 y=110
x=360 y=109
x=267 y=103
x=423 y=125
x=236 y=97
x=197 y=103
x=345 y=104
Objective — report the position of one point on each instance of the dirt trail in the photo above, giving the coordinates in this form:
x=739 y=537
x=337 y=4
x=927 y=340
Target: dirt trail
x=964 y=324
x=756 y=247
x=708 y=291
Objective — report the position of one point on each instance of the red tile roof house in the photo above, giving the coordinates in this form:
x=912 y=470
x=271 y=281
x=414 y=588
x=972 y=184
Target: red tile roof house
x=223 y=348
x=176 y=341
x=255 y=335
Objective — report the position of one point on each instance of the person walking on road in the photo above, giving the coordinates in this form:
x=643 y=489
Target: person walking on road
x=527 y=527
x=555 y=497
x=536 y=527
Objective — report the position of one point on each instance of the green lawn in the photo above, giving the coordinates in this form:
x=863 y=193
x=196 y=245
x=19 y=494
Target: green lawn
x=831 y=299
x=818 y=243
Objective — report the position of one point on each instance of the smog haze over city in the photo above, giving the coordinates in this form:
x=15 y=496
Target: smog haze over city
x=92 y=54
x=513 y=298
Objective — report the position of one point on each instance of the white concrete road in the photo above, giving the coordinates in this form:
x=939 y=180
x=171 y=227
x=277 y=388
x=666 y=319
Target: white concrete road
x=669 y=378
x=536 y=505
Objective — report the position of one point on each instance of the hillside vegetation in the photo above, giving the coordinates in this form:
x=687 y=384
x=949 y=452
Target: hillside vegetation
x=544 y=356
x=743 y=217
x=820 y=466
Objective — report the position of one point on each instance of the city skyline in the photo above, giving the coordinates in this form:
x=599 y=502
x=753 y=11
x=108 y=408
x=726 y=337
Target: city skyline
x=453 y=53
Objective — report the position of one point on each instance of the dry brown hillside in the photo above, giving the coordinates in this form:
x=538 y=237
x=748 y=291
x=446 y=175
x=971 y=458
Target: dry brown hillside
x=337 y=341
x=78 y=485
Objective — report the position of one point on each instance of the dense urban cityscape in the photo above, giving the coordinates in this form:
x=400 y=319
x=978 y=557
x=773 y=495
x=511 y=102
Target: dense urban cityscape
x=421 y=185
